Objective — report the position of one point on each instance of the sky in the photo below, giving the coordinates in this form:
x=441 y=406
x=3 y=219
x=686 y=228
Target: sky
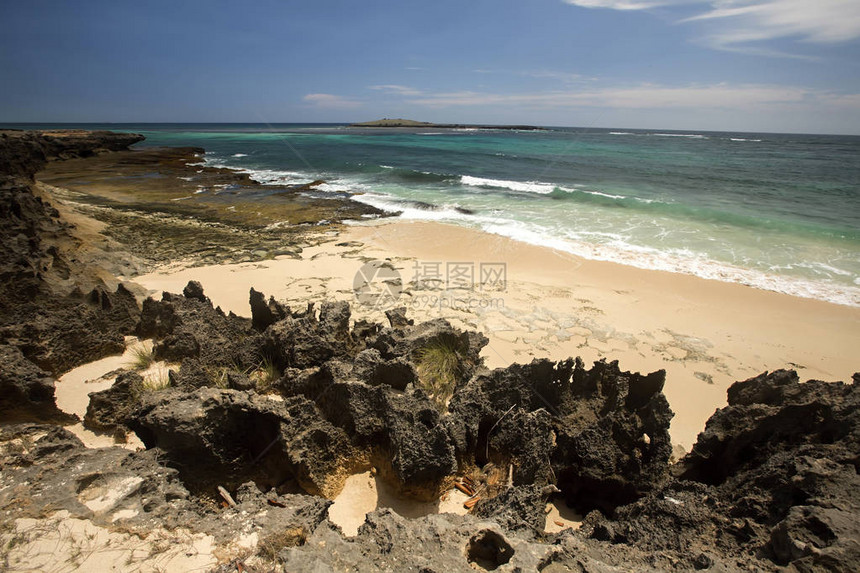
x=729 y=65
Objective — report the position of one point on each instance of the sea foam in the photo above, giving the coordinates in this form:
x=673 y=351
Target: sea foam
x=386 y=193
x=616 y=248
x=521 y=186
x=687 y=135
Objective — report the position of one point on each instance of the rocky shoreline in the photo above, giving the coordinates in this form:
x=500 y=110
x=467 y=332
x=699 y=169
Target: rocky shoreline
x=165 y=205
x=262 y=420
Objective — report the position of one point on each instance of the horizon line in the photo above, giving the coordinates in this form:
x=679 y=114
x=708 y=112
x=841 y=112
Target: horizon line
x=348 y=124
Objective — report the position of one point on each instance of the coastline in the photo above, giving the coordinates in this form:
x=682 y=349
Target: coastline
x=585 y=207
x=375 y=428
x=706 y=334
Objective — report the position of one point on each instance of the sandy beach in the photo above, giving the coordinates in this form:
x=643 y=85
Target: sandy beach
x=476 y=297
x=238 y=384
x=706 y=334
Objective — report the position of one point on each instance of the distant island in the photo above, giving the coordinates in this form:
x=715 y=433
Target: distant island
x=424 y=124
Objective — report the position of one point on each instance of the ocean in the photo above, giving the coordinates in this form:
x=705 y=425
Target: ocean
x=773 y=211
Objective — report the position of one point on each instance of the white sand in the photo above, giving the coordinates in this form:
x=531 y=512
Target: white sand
x=560 y=517
x=363 y=493
x=705 y=334
x=74 y=387
x=62 y=544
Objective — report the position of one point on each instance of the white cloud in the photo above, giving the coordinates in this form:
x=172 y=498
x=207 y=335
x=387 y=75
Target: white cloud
x=819 y=21
x=625 y=4
x=734 y=23
x=554 y=75
x=566 y=77
x=649 y=96
x=330 y=101
x=396 y=89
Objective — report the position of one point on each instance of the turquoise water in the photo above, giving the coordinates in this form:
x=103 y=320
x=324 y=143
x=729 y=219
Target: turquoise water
x=780 y=212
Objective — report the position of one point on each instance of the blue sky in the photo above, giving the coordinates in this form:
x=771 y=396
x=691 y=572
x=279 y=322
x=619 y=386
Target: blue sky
x=745 y=65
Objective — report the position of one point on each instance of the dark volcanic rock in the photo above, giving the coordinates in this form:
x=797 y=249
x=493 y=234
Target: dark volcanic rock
x=372 y=369
x=516 y=508
x=527 y=437
x=602 y=433
x=683 y=523
x=25 y=445
x=190 y=328
x=190 y=376
x=43 y=310
x=114 y=407
x=784 y=457
x=232 y=436
x=412 y=447
x=403 y=339
x=26 y=391
x=397 y=318
x=391 y=543
x=488 y=550
x=45 y=469
x=76 y=329
x=367 y=394
x=422 y=454
x=50 y=470
x=772 y=413
x=310 y=382
x=300 y=340
x=334 y=320
x=195 y=290
x=771 y=482
x=264 y=314
x=23 y=153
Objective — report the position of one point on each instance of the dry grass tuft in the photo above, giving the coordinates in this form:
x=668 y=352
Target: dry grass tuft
x=158 y=379
x=270 y=546
x=265 y=374
x=440 y=365
x=141 y=356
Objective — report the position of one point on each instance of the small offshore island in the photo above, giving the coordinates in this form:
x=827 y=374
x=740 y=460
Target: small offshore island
x=410 y=123
x=238 y=433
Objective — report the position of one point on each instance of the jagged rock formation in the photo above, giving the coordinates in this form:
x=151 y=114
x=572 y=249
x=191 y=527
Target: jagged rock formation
x=517 y=508
x=600 y=435
x=65 y=475
x=110 y=410
x=188 y=327
x=55 y=312
x=324 y=364
x=233 y=436
x=42 y=308
x=772 y=481
x=134 y=491
x=785 y=458
x=60 y=332
x=23 y=153
x=752 y=491
x=26 y=391
x=297 y=400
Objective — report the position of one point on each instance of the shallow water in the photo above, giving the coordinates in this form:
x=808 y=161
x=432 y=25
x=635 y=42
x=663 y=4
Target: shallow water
x=779 y=212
